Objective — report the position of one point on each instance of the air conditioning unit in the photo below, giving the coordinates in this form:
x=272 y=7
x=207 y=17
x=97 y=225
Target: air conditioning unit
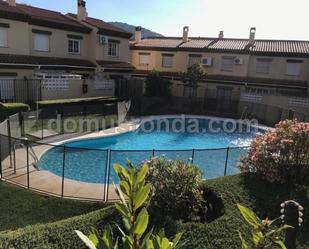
x=103 y=39
x=207 y=61
x=239 y=61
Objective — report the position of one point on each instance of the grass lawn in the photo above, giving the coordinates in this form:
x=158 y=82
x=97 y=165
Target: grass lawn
x=19 y=208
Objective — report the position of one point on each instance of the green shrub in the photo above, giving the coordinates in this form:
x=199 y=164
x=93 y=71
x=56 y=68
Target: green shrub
x=7 y=109
x=156 y=85
x=252 y=191
x=281 y=154
x=57 y=235
x=177 y=192
x=134 y=195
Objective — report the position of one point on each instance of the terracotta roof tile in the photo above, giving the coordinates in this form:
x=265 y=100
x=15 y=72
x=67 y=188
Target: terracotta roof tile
x=229 y=44
x=281 y=46
x=274 y=47
x=197 y=43
x=159 y=42
x=43 y=61
x=43 y=14
x=5 y=7
x=41 y=17
x=104 y=27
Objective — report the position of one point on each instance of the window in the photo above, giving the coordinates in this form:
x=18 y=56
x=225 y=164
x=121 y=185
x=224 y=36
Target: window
x=74 y=46
x=167 y=60
x=293 y=67
x=194 y=59
x=144 y=59
x=227 y=64
x=263 y=66
x=41 y=42
x=3 y=37
x=113 y=49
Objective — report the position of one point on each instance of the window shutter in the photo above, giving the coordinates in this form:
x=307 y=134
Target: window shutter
x=195 y=59
x=41 y=42
x=263 y=67
x=144 y=59
x=3 y=37
x=167 y=61
x=293 y=69
x=227 y=64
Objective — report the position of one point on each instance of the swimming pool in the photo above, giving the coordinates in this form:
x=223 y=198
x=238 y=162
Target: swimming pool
x=89 y=160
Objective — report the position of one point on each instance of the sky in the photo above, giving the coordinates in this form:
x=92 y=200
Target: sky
x=274 y=19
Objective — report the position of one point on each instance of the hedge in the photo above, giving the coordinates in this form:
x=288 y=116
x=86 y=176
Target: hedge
x=265 y=198
x=57 y=235
x=7 y=109
x=77 y=101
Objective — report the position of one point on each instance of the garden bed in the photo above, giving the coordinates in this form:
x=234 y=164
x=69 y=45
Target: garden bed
x=263 y=197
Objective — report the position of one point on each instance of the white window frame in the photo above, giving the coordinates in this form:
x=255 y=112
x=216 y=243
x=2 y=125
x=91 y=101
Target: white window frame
x=293 y=68
x=227 y=64
x=263 y=66
x=4 y=39
x=194 y=59
x=73 y=46
x=113 y=49
x=144 y=59
x=167 y=60
x=39 y=47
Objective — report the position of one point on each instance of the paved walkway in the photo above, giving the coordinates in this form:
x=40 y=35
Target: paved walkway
x=50 y=184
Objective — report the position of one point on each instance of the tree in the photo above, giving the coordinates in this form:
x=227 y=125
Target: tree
x=156 y=85
x=191 y=78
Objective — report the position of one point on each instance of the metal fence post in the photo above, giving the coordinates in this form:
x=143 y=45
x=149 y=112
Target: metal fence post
x=193 y=154
x=226 y=160
x=109 y=173
x=28 y=171
x=63 y=166
x=105 y=178
x=10 y=141
x=0 y=156
x=14 y=88
x=62 y=123
x=14 y=159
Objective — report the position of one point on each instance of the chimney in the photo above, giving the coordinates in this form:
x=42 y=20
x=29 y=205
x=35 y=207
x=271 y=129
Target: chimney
x=185 y=37
x=81 y=11
x=11 y=2
x=138 y=34
x=221 y=35
x=252 y=36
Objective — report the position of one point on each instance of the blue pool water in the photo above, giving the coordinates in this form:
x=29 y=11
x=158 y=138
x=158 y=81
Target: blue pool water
x=88 y=160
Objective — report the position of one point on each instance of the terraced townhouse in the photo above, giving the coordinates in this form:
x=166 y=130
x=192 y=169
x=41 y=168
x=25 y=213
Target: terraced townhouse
x=273 y=72
x=75 y=55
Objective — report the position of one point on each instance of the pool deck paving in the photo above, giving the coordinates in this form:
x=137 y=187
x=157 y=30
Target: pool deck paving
x=47 y=183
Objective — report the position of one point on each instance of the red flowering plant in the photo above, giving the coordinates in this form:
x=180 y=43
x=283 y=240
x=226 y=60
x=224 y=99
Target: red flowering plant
x=281 y=154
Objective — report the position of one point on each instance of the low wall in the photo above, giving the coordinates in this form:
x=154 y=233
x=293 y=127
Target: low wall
x=75 y=90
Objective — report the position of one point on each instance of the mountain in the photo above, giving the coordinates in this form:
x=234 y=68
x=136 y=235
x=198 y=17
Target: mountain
x=131 y=29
